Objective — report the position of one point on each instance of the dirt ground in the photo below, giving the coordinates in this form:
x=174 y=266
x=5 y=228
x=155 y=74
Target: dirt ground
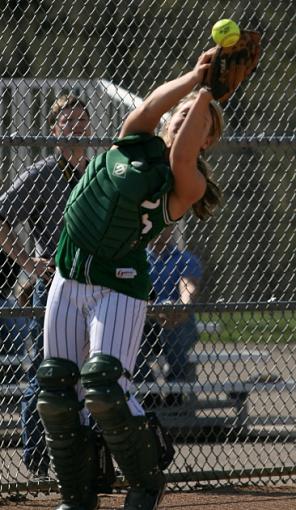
x=267 y=498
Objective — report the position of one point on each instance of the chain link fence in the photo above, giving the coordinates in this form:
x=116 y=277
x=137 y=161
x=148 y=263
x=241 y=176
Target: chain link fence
x=218 y=355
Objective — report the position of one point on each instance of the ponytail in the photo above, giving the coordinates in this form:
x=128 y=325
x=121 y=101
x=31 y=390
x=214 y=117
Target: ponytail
x=212 y=199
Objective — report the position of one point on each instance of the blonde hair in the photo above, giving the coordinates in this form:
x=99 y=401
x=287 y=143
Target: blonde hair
x=212 y=199
x=218 y=122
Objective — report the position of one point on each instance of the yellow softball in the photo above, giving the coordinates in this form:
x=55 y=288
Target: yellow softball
x=225 y=32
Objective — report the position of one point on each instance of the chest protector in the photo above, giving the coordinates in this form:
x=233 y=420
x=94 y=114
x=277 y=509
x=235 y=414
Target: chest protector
x=103 y=213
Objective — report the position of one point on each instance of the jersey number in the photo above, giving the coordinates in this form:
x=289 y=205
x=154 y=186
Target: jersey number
x=145 y=217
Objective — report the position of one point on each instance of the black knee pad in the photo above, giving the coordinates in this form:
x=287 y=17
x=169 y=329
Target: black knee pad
x=103 y=395
x=57 y=374
x=101 y=369
x=58 y=403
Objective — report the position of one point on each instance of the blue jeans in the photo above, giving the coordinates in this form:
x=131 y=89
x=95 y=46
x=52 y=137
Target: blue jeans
x=176 y=343
x=34 y=447
x=173 y=343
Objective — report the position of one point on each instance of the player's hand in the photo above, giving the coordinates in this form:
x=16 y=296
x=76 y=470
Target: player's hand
x=231 y=65
x=203 y=64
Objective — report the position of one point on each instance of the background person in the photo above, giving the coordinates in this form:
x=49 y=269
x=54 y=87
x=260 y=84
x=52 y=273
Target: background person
x=97 y=302
x=38 y=197
x=175 y=276
x=14 y=329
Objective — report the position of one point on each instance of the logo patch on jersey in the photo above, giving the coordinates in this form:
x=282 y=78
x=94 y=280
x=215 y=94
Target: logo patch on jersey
x=120 y=170
x=141 y=164
x=126 y=272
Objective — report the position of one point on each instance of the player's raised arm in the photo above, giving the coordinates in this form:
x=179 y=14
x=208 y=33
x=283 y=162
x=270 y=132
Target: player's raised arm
x=192 y=124
x=146 y=117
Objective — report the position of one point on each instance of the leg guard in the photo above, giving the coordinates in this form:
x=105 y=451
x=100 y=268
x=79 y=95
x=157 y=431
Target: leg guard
x=164 y=441
x=129 y=438
x=106 y=473
x=139 y=498
x=71 y=446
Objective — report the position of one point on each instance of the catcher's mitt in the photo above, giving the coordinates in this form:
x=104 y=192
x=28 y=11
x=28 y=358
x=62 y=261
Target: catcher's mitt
x=231 y=65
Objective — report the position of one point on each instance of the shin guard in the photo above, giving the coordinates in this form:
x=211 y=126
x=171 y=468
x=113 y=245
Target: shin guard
x=71 y=446
x=129 y=438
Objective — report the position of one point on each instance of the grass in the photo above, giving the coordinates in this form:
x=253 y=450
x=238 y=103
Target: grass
x=249 y=327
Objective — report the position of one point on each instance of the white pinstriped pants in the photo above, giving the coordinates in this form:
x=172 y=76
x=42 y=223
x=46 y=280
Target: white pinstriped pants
x=82 y=320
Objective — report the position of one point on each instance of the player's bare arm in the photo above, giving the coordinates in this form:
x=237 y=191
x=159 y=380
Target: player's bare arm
x=146 y=117
x=189 y=182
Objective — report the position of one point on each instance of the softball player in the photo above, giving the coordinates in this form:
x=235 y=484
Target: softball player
x=97 y=302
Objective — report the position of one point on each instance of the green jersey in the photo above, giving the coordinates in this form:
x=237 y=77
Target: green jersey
x=118 y=206
x=128 y=275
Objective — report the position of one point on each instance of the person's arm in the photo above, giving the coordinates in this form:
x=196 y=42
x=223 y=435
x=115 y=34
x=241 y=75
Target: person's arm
x=190 y=279
x=188 y=289
x=16 y=205
x=12 y=246
x=23 y=292
x=146 y=117
x=189 y=183
x=34 y=266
